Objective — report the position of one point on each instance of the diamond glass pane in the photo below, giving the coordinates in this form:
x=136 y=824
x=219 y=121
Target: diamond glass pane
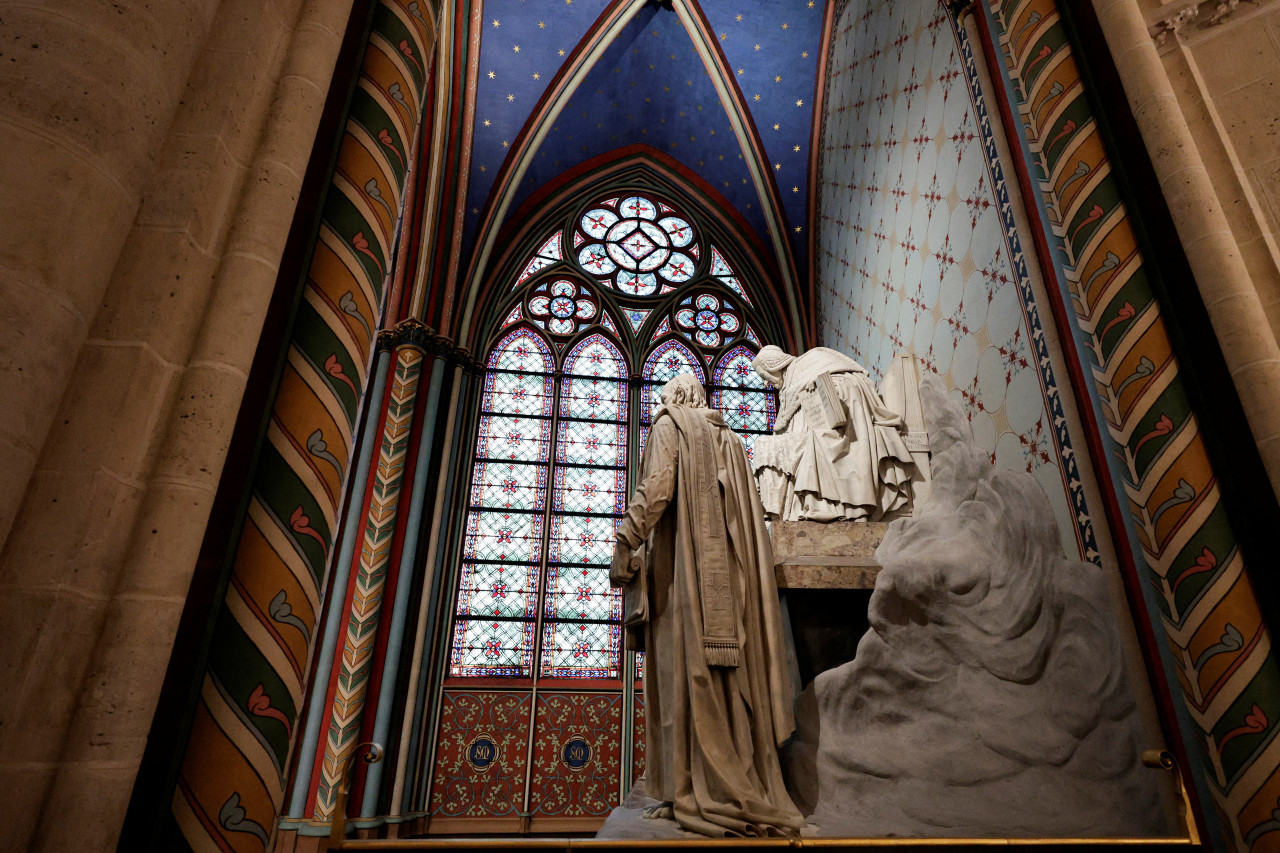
x=488 y=647
x=521 y=439
x=596 y=356
x=507 y=536
x=508 y=485
x=664 y=364
x=581 y=593
x=601 y=490
x=735 y=370
x=582 y=539
x=595 y=399
x=592 y=443
x=578 y=650
x=497 y=589
x=744 y=410
x=517 y=393
x=521 y=350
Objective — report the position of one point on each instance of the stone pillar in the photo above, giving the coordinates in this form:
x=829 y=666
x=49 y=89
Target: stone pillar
x=1235 y=309
x=138 y=445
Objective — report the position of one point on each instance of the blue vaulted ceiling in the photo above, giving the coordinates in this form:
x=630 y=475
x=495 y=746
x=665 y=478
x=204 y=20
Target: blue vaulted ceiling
x=651 y=86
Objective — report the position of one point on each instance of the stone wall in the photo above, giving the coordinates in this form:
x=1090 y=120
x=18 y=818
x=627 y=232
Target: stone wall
x=153 y=155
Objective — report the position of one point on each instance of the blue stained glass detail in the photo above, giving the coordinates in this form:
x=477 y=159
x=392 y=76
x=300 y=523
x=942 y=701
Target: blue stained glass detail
x=636 y=317
x=581 y=593
x=607 y=322
x=600 y=490
x=742 y=395
x=592 y=443
x=497 y=589
x=508 y=485
x=488 y=648
x=666 y=362
x=507 y=536
x=664 y=328
x=735 y=370
x=577 y=650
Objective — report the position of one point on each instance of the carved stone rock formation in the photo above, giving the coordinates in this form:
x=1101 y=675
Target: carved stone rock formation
x=989 y=697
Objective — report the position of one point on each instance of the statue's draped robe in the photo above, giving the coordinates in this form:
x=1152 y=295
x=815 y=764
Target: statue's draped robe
x=712 y=731
x=861 y=471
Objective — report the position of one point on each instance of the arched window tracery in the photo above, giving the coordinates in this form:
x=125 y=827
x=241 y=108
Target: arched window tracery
x=568 y=400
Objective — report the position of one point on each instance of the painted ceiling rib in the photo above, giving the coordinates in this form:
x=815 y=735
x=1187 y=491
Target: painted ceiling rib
x=743 y=127
x=562 y=91
x=434 y=168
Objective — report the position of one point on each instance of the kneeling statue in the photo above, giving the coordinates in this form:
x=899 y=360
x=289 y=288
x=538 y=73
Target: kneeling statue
x=837 y=452
x=704 y=602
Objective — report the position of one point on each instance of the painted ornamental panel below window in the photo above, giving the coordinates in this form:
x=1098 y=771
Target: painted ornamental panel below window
x=540 y=725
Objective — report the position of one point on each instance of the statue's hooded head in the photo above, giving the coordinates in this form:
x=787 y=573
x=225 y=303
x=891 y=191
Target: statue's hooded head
x=771 y=363
x=684 y=390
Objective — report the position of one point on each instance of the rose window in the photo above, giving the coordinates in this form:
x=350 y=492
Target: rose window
x=562 y=307
x=639 y=246
x=708 y=319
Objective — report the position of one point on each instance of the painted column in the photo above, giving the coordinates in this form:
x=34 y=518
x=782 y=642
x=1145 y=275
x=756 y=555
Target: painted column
x=1217 y=646
x=231 y=783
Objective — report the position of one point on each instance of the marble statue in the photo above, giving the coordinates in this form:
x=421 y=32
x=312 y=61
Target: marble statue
x=837 y=452
x=990 y=696
x=702 y=599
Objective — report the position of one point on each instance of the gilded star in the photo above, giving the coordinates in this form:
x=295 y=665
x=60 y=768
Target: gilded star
x=723 y=36
x=757 y=47
x=777 y=78
x=516 y=48
x=483 y=168
x=795 y=189
x=486 y=122
x=475 y=210
x=797 y=229
x=797 y=148
x=541 y=25
x=739 y=19
x=776 y=127
x=495 y=23
x=777 y=165
x=562 y=51
x=804 y=55
x=740 y=70
x=511 y=97
x=757 y=97
x=537 y=76
x=810 y=4
x=786 y=26
x=799 y=102
x=490 y=75
x=505 y=143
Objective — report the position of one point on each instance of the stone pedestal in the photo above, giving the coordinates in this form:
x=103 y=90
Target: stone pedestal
x=825 y=576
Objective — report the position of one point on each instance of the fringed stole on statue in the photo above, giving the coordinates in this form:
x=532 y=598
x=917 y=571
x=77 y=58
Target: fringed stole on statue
x=699 y=471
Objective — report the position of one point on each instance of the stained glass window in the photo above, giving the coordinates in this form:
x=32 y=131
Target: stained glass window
x=636 y=245
x=632 y=278
x=502 y=545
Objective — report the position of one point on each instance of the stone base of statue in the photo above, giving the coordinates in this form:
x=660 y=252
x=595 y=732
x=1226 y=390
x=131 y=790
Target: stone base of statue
x=825 y=572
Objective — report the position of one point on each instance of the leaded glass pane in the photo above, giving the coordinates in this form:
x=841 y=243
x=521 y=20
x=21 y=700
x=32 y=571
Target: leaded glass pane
x=581 y=650
x=582 y=539
x=744 y=410
x=596 y=356
x=497 y=589
x=596 y=399
x=592 y=443
x=669 y=361
x=508 y=536
x=518 y=393
x=490 y=647
x=522 y=350
x=508 y=485
x=601 y=490
x=574 y=592
x=518 y=439
x=735 y=370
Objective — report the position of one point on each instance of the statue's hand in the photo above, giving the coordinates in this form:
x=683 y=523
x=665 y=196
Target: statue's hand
x=620 y=570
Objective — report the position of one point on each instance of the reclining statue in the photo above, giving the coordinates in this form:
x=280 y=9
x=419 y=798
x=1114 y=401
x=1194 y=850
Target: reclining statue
x=837 y=452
